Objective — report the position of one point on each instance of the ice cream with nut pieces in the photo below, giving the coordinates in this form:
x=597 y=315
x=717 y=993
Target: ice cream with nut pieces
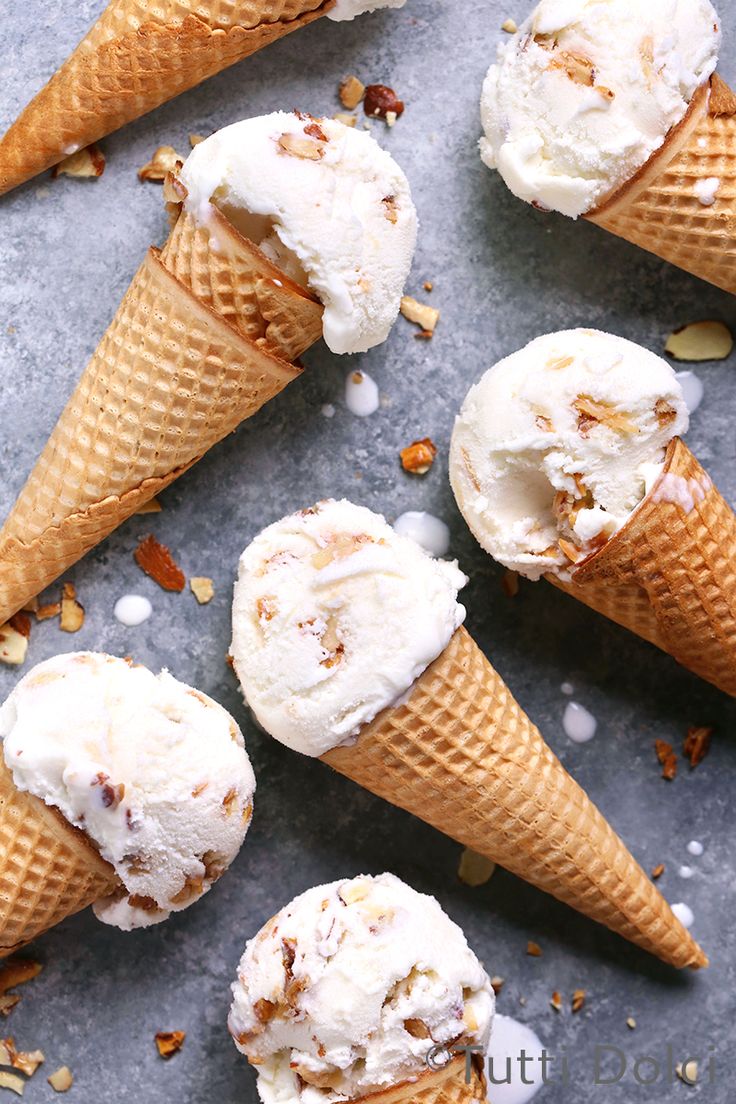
x=348 y=9
x=334 y=617
x=154 y=772
x=346 y=989
x=558 y=444
x=325 y=203
x=587 y=90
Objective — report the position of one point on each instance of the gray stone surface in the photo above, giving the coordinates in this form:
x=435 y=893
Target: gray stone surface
x=503 y=273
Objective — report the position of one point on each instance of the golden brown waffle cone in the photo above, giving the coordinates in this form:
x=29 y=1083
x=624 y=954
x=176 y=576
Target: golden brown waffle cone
x=170 y=378
x=48 y=869
x=659 y=209
x=461 y=755
x=455 y=1084
x=139 y=54
x=670 y=574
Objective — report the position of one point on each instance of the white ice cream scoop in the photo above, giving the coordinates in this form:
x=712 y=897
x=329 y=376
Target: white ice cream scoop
x=346 y=989
x=153 y=771
x=558 y=443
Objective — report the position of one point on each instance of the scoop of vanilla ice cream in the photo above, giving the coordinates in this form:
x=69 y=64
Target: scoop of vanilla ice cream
x=335 y=616
x=348 y=9
x=325 y=203
x=345 y=991
x=586 y=90
x=154 y=772
x=558 y=443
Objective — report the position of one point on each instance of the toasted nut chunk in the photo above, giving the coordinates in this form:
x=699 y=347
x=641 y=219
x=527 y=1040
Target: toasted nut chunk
x=45 y=613
x=195 y=139
x=533 y=949
x=416 y=1028
x=168 y=1042
x=72 y=612
x=657 y=871
x=351 y=92
x=13 y=643
x=303 y=147
x=418 y=457
x=578 y=1000
x=667 y=757
x=380 y=100
x=592 y=412
x=697 y=744
x=203 y=589
x=578 y=67
x=153 y=506
x=62 y=1080
x=165 y=160
x=687 y=1071
x=17 y=971
x=556 y=1001
x=509 y=26
x=510 y=583
x=87 y=162
x=25 y=1061
x=631 y=1023
x=13 y=1082
x=425 y=316
x=699 y=341
x=474 y=869
x=156 y=560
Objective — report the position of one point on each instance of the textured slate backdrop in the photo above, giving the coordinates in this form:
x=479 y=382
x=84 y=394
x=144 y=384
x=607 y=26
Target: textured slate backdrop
x=503 y=273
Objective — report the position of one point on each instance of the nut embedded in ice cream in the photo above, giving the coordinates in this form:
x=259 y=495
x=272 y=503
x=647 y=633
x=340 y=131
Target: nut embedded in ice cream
x=348 y=9
x=325 y=203
x=154 y=772
x=558 y=443
x=335 y=616
x=587 y=90
x=344 y=992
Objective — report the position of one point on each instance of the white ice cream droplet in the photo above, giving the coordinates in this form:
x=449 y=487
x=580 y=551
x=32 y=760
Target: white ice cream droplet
x=695 y=848
x=684 y=914
x=579 y=725
x=706 y=190
x=505 y=1065
x=567 y=688
x=328 y=410
x=686 y=872
x=426 y=529
x=361 y=394
x=132 y=609
x=692 y=390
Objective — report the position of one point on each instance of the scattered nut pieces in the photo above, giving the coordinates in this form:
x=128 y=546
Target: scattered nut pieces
x=62 y=1080
x=421 y=313
x=698 y=341
x=474 y=869
x=17 y=971
x=87 y=162
x=25 y=1061
x=351 y=92
x=195 y=139
x=533 y=949
x=667 y=757
x=8 y=1002
x=169 y=1042
x=380 y=102
x=72 y=612
x=305 y=147
x=14 y=639
x=203 y=589
x=155 y=559
x=556 y=1001
x=51 y=609
x=428 y=285
x=165 y=160
x=697 y=744
x=418 y=457
x=578 y=1000
x=657 y=871
x=153 y=506
x=12 y=1081
x=631 y=1023
x=497 y=984
x=509 y=26
x=510 y=583
x=687 y=1071
x=345 y=119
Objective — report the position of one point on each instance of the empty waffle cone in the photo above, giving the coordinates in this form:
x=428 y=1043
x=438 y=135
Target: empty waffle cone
x=461 y=755
x=48 y=869
x=661 y=210
x=184 y=361
x=669 y=574
x=460 y=1082
x=138 y=55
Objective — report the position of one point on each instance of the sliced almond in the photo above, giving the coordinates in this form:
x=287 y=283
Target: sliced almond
x=699 y=341
x=203 y=589
x=687 y=1071
x=578 y=1000
x=533 y=949
x=416 y=1028
x=169 y=1042
x=592 y=412
x=61 y=1080
x=87 y=162
x=17 y=971
x=25 y=1061
x=421 y=313
x=46 y=612
x=12 y=1081
x=697 y=744
x=579 y=68
x=418 y=457
x=352 y=892
x=153 y=506
x=631 y=1023
x=509 y=26
x=345 y=119
x=13 y=645
x=351 y=92
x=474 y=869
x=307 y=149
x=165 y=160
x=72 y=612
x=156 y=560
x=556 y=1001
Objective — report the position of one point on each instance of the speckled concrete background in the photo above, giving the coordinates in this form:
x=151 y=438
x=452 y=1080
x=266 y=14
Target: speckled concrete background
x=503 y=273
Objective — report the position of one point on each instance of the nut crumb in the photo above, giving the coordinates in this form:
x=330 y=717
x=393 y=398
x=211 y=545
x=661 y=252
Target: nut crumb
x=305 y=148
x=155 y=559
x=697 y=744
x=421 y=313
x=351 y=92
x=203 y=589
x=578 y=1000
x=509 y=26
x=510 y=583
x=62 y=1080
x=165 y=160
x=428 y=285
x=169 y=1042
x=25 y=1061
x=667 y=757
x=556 y=1001
x=72 y=611
x=687 y=1071
x=418 y=457
x=657 y=871
x=497 y=984
x=533 y=949
x=475 y=870
x=153 y=506
x=195 y=139
x=88 y=162
x=46 y=612
x=631 y=1023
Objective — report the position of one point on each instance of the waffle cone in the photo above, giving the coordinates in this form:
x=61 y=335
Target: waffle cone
x=461 y=755
x=460 y=1082
x=670 y=574
x=138 y=55
x=170 y=378
x=659 y=208
x=48 y=869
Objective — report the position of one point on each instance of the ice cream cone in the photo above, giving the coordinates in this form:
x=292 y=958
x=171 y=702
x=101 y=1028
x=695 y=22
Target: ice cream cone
x=461 y=755
x=460 y=1082
x=669 y=574
x=48 y=869
x=660 y=209
x=202 y=339
x=137 y=56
